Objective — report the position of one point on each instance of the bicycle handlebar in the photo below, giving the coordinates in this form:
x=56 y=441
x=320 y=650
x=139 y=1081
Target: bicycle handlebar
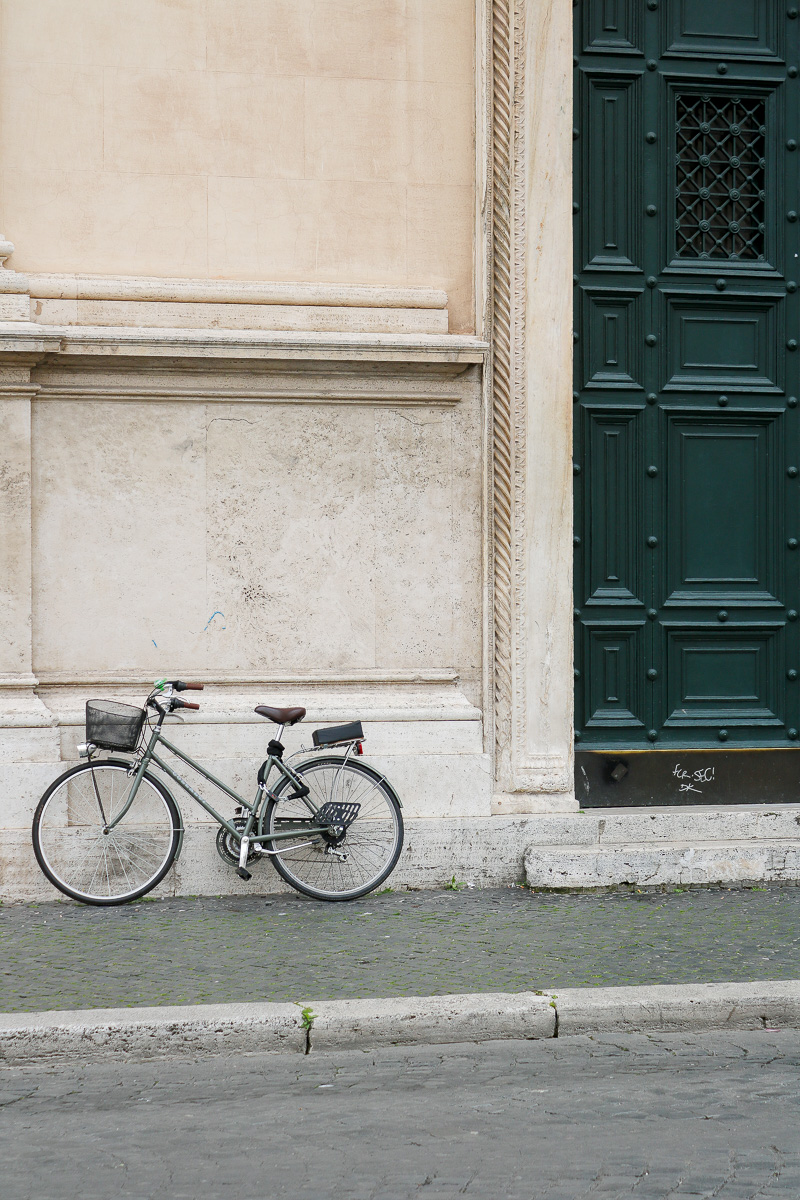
x=176 y=703
x=177 y=685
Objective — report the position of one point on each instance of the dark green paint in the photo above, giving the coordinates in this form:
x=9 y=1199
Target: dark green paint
x=686 y=506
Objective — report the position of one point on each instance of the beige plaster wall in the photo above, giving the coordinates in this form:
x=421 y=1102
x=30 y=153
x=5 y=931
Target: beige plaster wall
x=309 y=140
x=265 y=538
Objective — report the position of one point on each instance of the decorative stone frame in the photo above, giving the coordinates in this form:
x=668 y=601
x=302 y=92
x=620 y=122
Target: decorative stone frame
x=529 y=56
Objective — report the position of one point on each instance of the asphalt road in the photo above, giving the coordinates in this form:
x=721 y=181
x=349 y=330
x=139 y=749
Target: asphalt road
x=653 y=1118
x=216 y=950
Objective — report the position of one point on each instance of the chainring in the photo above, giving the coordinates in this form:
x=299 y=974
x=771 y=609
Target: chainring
x=228 y=847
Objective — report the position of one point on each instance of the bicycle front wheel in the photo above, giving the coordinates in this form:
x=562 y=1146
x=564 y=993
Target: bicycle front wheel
x=87 y=861
x=356 y=863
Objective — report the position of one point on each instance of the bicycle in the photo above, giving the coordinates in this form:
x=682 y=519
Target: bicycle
x=108 y=830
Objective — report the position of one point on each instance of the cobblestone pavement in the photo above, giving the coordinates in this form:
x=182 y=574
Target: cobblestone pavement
x=217 y=950
x=652 y=1118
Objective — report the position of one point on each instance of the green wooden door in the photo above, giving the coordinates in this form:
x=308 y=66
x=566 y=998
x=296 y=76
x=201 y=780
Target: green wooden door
x=687 y=119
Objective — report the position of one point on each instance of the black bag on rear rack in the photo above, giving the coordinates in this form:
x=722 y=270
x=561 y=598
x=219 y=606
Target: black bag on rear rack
x=337 y=734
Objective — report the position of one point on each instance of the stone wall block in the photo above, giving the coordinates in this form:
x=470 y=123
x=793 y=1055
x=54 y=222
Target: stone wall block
x=15 y=531
x=649 y=866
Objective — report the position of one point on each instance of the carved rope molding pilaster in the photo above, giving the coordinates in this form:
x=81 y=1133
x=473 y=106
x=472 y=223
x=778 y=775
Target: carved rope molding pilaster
x=508 y=399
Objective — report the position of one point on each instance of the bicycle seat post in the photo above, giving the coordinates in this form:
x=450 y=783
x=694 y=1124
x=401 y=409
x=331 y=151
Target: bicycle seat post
x=275 y=748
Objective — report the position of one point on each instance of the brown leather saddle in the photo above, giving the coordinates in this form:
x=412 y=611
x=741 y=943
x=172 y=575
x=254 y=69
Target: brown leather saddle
x=281 y=716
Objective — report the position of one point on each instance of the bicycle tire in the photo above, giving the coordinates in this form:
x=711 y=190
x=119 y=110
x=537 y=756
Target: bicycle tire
x=130 y=860
x=372 y=843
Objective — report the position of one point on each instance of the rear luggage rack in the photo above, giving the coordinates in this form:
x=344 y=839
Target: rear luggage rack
x=338 y=733
x=341 y=815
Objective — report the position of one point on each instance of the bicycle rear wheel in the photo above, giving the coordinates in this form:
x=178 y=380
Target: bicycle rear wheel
x=350 y=866
x=97 y=867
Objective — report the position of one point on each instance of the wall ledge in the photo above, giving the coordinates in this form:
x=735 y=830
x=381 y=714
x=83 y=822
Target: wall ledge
x=229 y=291
x=456 y=351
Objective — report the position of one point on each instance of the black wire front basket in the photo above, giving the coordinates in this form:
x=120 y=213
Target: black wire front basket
x=113 y=726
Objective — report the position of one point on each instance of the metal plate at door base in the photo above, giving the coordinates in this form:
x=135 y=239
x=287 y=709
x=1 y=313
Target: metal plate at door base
x=609 y=779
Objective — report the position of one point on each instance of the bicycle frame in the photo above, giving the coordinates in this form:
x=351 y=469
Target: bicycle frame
x=254 y=810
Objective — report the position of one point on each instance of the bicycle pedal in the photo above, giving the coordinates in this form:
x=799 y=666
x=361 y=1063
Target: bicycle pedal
x=243 y=874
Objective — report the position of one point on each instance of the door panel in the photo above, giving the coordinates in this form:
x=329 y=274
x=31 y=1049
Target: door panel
x=614 y=492
x=614 y=697
x=723 y=676
x=687 y=444
x=613 y=25
x=613 y=340
x=734 y=28
x=720 y=343
x=724 y=504
x=612 y=230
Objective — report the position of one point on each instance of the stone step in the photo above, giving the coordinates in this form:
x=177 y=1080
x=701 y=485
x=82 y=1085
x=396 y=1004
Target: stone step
x=660 y=847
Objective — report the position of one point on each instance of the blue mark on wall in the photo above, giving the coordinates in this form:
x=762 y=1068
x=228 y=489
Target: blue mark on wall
x=155 y=643
x=211 y=618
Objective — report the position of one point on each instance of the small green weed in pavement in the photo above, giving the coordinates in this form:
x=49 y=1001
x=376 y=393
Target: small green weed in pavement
x=455 y=885
x=308 y=1017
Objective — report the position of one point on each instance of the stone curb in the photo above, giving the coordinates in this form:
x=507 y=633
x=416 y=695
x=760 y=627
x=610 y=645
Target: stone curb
x=93 y=1035
x=676 y=1008
x=96 y=1034
x=427 y=1020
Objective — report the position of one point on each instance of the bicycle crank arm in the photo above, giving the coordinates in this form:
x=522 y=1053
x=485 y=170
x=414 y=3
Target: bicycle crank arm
x=244 y=849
